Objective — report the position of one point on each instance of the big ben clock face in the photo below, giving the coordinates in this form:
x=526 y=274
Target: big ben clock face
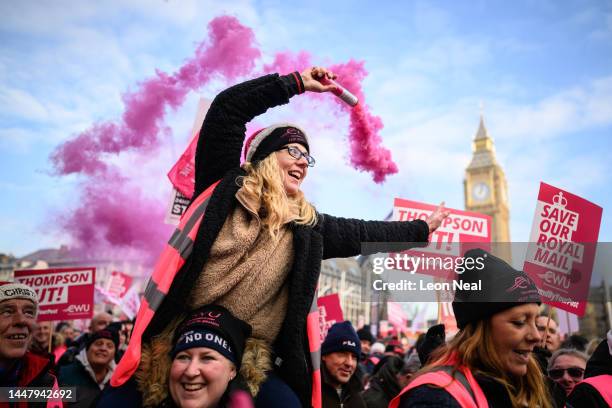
x=480 y=191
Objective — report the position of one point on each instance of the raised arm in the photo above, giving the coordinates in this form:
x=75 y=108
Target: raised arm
x=223 y=131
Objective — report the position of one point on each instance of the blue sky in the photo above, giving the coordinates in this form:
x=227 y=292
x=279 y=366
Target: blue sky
x=542 y=69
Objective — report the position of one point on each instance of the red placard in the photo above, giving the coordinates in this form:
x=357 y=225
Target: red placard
x=460 y=231
x=562 y=246
x=64 y=294
x=396 y=316
x=118 y=284
x=330 y=312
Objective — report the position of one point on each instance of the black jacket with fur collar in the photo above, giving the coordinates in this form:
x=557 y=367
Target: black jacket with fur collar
x=218 y=157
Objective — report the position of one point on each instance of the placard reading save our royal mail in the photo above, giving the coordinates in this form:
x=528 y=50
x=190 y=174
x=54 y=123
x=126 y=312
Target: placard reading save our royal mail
x=562 y=247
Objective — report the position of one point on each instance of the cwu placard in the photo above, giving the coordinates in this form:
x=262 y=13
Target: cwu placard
x=562 y=247
x=63 y=294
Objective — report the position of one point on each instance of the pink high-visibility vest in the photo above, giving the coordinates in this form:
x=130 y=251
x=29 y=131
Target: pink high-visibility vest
x=451 y=385
x=171 y=260
x=603 y=385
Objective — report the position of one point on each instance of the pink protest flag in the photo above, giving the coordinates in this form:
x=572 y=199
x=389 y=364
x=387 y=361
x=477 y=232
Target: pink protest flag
x=182 y=174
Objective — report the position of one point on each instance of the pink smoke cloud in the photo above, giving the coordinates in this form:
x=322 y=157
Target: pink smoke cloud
x=230 y=52
x=366 y=150
x=113 y=213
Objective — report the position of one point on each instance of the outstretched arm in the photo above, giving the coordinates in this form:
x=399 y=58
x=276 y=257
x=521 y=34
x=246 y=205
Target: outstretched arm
x=342 y=237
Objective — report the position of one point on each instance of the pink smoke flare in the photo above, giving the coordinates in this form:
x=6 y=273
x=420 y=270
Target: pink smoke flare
x=366 y=150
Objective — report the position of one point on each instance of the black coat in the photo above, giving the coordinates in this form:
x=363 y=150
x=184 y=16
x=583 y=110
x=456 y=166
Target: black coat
x=87 y=389
x=383 y=385
x=218 y=157
x=350 y=396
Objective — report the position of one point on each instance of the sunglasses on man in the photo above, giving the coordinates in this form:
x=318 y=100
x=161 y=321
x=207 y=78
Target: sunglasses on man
x=574 y=372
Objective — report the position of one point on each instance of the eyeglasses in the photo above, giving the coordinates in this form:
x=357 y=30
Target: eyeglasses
x=574 y=372
x=298 y=154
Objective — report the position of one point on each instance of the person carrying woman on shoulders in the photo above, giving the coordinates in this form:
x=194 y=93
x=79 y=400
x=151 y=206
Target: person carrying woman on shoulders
x=259 y=247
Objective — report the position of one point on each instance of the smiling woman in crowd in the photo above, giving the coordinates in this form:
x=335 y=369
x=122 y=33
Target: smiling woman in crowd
x=92 y=368
x=206 y=357
x=489 y=361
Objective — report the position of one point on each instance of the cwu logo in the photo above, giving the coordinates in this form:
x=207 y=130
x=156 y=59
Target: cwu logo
x=83 y=307
x=555 y=279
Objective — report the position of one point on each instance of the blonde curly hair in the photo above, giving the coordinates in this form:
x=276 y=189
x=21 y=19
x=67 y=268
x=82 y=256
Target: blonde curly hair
x=264 y=184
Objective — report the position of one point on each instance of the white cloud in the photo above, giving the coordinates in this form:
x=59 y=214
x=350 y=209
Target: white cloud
x=20 y=103
x=567 y=111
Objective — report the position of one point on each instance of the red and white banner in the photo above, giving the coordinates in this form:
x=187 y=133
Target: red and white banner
x=383 y=329
x=460 y=231
x=562 y=247
x=118 y=283
x=130 y=303
x=64 y=294
x=330 y=312
x=396 y=316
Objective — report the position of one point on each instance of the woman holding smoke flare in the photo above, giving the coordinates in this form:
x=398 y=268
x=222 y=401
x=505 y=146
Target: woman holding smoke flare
x=259 y=248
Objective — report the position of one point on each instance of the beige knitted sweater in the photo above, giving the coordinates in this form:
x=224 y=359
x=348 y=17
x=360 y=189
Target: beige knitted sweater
x=246 y=271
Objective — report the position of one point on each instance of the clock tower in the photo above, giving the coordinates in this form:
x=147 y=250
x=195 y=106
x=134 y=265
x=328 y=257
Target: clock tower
x=486 y=190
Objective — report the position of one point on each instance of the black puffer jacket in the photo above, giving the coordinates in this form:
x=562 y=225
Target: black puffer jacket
x=218 y=157
x=383 y=385
x=350 y=397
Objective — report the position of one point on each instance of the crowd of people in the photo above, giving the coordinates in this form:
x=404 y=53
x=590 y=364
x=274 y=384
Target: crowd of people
x=233 y=324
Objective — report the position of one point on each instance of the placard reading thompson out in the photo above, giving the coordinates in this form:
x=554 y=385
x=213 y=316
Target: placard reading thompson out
x=460 y=231
x=562 y=246
x=64 y=294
